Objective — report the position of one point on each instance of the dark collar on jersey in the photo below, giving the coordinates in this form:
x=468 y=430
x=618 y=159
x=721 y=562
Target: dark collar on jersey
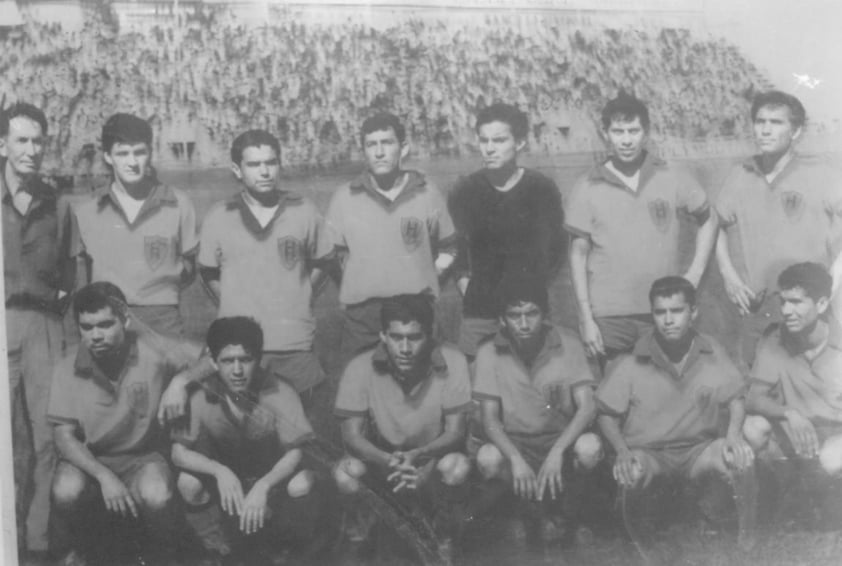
x=238 y=202
x=648 y=349
x=552 y=342
x=651 y=163
x=41 y=192
x=365 y=183
x=834 y=338
x=160 y=195
x=383 y=365
x=86 y=367
x=216 y=389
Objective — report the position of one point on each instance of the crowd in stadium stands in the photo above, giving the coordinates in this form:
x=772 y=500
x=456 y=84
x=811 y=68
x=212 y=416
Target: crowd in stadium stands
x=312 y=83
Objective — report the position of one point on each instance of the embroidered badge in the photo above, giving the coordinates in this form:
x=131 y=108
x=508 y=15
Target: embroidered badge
x=661 y=214
x=290 y=250
x=793 y=204
x=138 y=397
x=155 y=250
x=412 y=231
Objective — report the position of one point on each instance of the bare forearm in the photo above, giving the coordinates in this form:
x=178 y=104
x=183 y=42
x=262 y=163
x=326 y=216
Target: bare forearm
x=448 y=441
x=610 y=428
x=736 y=417
x=283 y=469
x=723 y=257
x=75 y=452
x=359 y=446
x=705 y=240
x=193 y=461
x=577 y=425
x=758 y=402
x=579 y=250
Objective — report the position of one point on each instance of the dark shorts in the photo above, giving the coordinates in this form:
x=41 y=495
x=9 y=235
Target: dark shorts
x=163 y=319
x=676 y=461
x=472 y=331
x=300 y=368
x=621 y=333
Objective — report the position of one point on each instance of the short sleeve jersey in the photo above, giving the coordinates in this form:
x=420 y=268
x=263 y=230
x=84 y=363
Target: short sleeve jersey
x=391 y=245
x=518 y=231
x=265 y=271
x=535 y=400
x=798 y=217
x=405 y=420
x=634 y=235
x=662 y=408
x=114 y=417
x=144 y=257
x=272 y=423
x=812 y=387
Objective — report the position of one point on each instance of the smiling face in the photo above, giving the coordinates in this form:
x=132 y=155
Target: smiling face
x=237 y=367
x=523 y=323
x=129 y=161
x=383 y=152
x=258 y=170
x=674 y=317
x=23 y=146
x=774 y=132
x=102 y=332
x=407 y=344
x=800 y=311
x=627 y=139
x=498 y=146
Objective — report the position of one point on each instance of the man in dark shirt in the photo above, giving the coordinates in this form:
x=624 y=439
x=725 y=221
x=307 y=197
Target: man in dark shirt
x=34 y=286
x=508 y=218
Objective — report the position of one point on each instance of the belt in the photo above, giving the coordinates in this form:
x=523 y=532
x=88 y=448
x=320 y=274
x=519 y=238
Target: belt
x=27 y=301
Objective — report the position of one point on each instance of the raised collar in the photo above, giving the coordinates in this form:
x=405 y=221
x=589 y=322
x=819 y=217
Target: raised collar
x=238 y=202
x=364 y=183
x=647 y=348
x=85 y=366
x=160 y=195
x=216 y=390
x=383 y=364
x=41 y=192
x=752 y=165
x=834 y=339
x=651 y=163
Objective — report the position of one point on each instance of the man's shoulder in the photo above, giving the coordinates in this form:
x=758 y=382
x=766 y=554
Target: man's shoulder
x=469 y=183
x=453 y=357
x=538 y=180
x=65 y=368
x=362 y=363
x=719 y=351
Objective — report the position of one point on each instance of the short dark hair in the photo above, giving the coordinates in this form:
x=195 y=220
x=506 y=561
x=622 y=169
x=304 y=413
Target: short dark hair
x=797 y=113
x=253 y=138
x=810 y=276
x=99 y=295
x=125 y=128
x=406 y=309
x=521 y=288
x=508 y=114
x=25 y=110
x=625 y=107
x=235 y=330
x=672 y=285
x=382 y=121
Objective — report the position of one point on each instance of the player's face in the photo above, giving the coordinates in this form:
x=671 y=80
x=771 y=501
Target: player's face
x=498 y=146
x=406 y=343
x=259 y=169
x=800 y=312
x=773 y=130
x=23 y=146
x=236 y=367
x=129 y=161
x=523 y=322
x=673 y=317
x=627 y=139
x=383 y=152
x=102 y=332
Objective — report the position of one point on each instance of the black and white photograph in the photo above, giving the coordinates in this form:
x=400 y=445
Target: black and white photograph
x=421 y=282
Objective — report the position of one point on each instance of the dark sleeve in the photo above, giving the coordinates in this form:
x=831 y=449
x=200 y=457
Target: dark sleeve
x=551 y=236
x=458 y=213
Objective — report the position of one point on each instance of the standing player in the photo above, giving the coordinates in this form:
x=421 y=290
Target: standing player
x=776 y=209
x=242 y=448
x=536 y=390
x=34 y=283
x=392 y=226
x=623 y=217
x=137 y=232
x=509 y=220
x=256 y=256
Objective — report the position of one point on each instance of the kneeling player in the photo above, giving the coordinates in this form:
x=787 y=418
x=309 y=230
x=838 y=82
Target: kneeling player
x=242 y=451
x=536 y=391
x=403 y=405
x=662 y=405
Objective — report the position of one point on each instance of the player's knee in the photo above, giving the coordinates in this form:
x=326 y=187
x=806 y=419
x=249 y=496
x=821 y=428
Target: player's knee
x=192 y=490
x=830 y=455
x=757 y=431
x=588 y=450
x=454 y=468
x=154 y=490
x=301 y=484
x=490 y=461
x=347 y=475
x=68 y=487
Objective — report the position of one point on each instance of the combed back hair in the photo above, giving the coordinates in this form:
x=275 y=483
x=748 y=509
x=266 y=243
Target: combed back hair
x=235 y=331
x=810 y=276
x=776 y=99
x=508 y=114
x=380 y=122
x=514 y=289
x=24 y=110
x=406 y=309
x=253 y=138
x=625 y=108
x=127 y=129
x=99 y=295
x=672 y=285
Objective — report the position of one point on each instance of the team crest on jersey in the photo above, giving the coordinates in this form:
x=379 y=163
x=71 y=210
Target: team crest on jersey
x=793 y=204
x=661 y=214
x=138 y=397
x=412 y=231
x=289 y=248
x=155 y=250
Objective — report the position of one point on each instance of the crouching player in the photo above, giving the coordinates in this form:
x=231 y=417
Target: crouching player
x=794 y=403
x=403 y=407
x=241 y=452
x=663 y=405
x=536 y=393
x=103 y=404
